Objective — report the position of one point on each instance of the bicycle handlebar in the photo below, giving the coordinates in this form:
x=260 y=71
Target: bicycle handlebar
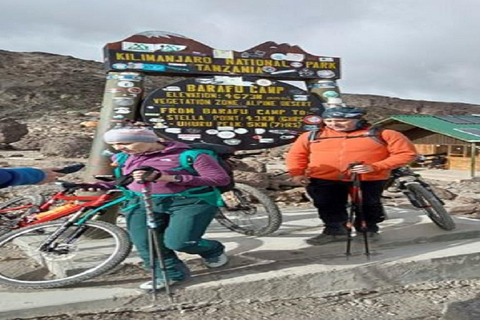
x=246 y=155
x=122 y=182
x=435 y=154
x=74 y=186
x=70 y=169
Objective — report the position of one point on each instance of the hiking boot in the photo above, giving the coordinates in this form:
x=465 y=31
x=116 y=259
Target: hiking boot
x=178 y=273
x=160 y=284
x=326 y=238
x=216 y=262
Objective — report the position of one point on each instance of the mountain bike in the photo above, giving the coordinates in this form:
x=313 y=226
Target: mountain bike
x=421 y=195
x=45 y=254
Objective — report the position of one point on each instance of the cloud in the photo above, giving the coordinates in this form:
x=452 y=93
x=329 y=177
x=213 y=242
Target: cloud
x=404 y=48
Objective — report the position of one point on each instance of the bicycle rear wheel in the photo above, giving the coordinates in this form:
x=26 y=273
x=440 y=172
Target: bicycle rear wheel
x=13 y=210
x=432 y=206
x=249 y=211
x=73 y=257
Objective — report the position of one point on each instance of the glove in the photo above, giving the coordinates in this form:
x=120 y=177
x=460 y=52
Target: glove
x=146 y=174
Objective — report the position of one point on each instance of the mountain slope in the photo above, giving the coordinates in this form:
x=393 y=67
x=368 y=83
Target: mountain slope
x=36 y=84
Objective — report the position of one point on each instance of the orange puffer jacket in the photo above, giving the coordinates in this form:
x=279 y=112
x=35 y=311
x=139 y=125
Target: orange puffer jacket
x=328 y=158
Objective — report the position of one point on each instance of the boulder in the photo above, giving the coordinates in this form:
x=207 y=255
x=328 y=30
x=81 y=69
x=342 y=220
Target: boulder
x=255 y=179
x=443 y=193
x=462 y=310
x=464 y=209
x=254 y=165
x=67 y=147
x=11 y=131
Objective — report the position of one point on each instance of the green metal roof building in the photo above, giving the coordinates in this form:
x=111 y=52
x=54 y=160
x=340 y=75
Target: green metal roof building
x=456 y=135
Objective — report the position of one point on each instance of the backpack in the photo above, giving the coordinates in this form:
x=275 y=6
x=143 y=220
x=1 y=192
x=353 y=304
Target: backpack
x=373 y=132
x=187 y=159
x=218 y=152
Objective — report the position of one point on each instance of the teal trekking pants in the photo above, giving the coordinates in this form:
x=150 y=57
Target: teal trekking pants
x=181 y=224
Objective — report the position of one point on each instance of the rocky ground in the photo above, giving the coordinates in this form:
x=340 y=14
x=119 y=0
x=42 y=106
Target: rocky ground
x=425 y=301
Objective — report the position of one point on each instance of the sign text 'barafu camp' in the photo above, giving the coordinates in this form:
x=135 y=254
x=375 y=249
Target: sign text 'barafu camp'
x=243 y=112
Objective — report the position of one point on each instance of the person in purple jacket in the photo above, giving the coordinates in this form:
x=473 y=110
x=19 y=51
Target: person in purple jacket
x=20 y=176
x=184 y=204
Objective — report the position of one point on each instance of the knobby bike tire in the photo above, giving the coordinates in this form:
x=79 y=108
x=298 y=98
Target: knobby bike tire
x=23 y=265
x=7 y=219
x=249 y=211
x=432 y=206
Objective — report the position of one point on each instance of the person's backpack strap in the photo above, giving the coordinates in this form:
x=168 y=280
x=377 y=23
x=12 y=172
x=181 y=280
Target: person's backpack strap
x=120 y=159
x=312 y=135
x=187 y=159
x=376 y=134
x=373 y=132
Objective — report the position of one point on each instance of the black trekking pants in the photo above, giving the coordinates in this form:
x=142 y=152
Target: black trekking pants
x=330 y=197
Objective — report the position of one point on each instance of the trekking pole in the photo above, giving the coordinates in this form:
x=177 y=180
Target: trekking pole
x=357 y=192
x=351 y=217
x=155 y=250
x=356 y=211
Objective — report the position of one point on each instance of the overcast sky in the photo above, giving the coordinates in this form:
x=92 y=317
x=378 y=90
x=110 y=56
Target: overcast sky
x=409 y=49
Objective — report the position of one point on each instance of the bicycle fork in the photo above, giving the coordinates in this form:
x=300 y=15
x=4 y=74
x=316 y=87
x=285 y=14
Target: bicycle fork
x=49 y=246
x=413 y=198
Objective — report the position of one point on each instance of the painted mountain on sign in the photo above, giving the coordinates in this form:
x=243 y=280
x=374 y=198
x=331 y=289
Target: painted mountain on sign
x=155 y=52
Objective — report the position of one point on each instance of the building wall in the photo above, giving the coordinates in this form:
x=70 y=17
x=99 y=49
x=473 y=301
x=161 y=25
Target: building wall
x=428 y=142
x=458 y=155
x=462 y=163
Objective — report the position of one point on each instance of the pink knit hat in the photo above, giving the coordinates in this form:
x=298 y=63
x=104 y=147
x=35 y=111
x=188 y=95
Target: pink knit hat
x=130 y=135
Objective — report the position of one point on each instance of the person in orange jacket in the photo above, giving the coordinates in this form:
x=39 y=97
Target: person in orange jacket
x=321 y=164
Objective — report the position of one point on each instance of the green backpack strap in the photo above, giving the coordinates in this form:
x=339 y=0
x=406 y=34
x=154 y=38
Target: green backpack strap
x=120 y=160
x=187 y=159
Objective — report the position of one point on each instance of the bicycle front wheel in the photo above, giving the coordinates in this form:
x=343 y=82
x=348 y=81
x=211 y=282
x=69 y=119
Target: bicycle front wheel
x=432 y=206
x=76 y=255
x=249 y=211
x=13 y=210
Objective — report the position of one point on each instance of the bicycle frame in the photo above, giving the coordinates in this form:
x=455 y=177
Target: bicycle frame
x=44 y=213
x=79 y=220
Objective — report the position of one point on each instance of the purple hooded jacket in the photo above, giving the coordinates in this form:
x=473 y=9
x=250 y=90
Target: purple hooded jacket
x=209 y=171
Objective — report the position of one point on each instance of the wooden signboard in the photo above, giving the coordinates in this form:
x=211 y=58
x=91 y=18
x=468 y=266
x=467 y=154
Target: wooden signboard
x=172 y=54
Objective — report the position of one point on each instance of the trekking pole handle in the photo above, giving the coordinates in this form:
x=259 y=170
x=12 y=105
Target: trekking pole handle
x=353 y=164
x=148 y=172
